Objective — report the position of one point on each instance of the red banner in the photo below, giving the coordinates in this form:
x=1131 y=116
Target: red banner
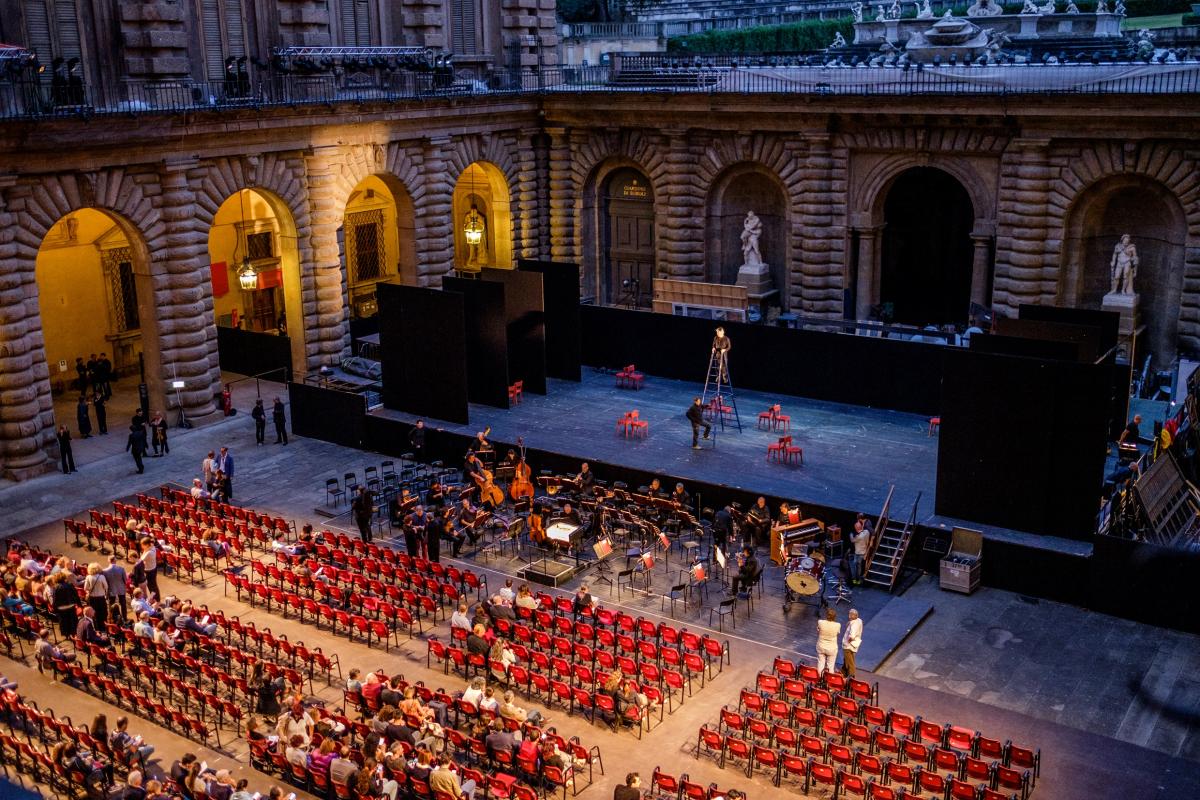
x=220 y=278
x=270 y=279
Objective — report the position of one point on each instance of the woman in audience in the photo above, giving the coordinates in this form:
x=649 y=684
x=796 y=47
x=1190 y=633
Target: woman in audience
x=99 y=727
x=296 y=722
x=474 y=692
x=612 y=688
x=95 y=589
x=489 y=702
x=241 y=792
x=420 y=765
x=501 y=654
x=295 y=752
x=65 y=600
x=370 y=783
x=319 y=759
x=268 y=691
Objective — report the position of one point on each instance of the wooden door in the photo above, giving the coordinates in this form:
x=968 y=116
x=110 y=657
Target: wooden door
x=629 y=240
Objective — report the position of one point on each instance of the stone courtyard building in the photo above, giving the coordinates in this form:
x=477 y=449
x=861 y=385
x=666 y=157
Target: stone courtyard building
x=277 y=209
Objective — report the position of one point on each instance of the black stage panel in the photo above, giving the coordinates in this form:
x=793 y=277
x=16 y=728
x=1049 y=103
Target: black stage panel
x=487 y=340
x=1086 y=337
x=1107 y=321
x=860 y=370
x=560 y=291
x=1022 y=346
x=1022 y=442
x=525 y=315
x=328 y=414
x=423 y=347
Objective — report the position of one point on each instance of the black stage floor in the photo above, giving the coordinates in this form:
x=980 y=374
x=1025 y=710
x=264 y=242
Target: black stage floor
x=851 y=454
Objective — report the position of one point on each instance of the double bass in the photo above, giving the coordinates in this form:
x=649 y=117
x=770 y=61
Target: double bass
x=537 y=527
x=489 y=492
x=521 y=485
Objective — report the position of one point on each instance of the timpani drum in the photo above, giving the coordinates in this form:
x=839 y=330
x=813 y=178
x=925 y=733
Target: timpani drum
x=804 y=575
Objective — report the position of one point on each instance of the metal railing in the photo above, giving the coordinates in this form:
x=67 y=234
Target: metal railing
x=37 y=100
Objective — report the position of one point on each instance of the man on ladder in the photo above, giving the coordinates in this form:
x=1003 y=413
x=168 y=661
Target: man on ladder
x=717 y=397
x=720 y=350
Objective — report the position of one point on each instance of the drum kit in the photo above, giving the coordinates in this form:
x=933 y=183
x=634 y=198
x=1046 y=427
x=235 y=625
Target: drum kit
x=805 y=573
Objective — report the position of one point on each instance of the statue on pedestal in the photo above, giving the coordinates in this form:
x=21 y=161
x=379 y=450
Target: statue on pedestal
x=894 y=12
x=1101 y=7
x=1047 y=7
x=984 y=8
x=838 y=41
x=1030 y=8
x=882 y=15
x=1071 y=7
x=1123 y=265
x=857 y=10
x=924 y=10
x=751 y=232
x=475 y=227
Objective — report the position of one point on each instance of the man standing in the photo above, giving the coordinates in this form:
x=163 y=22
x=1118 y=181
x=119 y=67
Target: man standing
x=695 y=415
x=1133 y=432
x=158 y=429
x=225 y=465
x=64 y=449
x=114 y=573
x=101 y=413
x=721 y=528
x=137 y=446
x=363 y=508
x=861 y=539
x=104 y=365
x=260 y=421
x=280 y=422
x=851 y=640
x=416 y=440
x=82 y=418
x=721 y=347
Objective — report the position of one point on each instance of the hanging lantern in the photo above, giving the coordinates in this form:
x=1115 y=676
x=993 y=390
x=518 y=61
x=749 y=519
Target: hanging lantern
x=473 y=229
x=247 y=276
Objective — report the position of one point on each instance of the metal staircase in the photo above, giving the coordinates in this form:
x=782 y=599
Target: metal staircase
x=889 y=544
x=717 y=399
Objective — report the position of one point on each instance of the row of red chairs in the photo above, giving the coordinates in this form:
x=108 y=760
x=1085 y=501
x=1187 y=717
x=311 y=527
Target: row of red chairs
x=853 y=774
x=186 y=560
x=667 y=787
x=396 y=584
x=45 y=729
x=240 y=536
x=787 y=679
x=216 y=509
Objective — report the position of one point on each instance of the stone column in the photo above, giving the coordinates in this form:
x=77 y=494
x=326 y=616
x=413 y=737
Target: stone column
x=679 y=207
x=562 y=197
x=981 y=262
x=526 y=201
x=324 y=335
x=22 y=423
x=866 y=285
x=1022 y=272
x=816 y=286
x=182 y=335
x=435 y=229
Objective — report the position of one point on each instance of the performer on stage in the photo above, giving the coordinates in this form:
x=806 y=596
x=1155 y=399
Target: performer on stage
x=681 y=496
x=748 y=570
x=585 y=478
x=655 y=488
x=568 y=514
x=695 y=415
x=721 y=347
x=759 y=521
x=722 y=528
x=480 y=443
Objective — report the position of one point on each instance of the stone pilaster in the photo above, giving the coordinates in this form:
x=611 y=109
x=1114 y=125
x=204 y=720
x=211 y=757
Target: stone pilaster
x=541 y=150
x=424 y=24
x=818 y=229
x=435 y=239
x=184 y=340
x=154 y=39
x=325 y=315
x=304 y=23
x=531 y=27
x=22 y=422
x=1023 y=273
x=679 y=212
x=527 y=211
x=561 y=197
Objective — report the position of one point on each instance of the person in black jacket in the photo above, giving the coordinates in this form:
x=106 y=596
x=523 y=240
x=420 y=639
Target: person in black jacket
x=416 y=440
x=695 y=415
x=137 y=445
x=260 y=421
x=64 y=449
x=277 y=416
x=748 y=572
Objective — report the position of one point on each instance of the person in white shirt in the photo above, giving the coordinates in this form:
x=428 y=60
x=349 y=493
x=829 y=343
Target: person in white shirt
x=459 y=618
x=827 y=641
x=861 y=539
x=474 y=692
x=507 y=594
x=198 y=490
x=851 y=640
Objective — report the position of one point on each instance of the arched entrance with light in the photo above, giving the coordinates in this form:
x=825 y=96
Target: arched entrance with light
x=378 y=241
x=98 y=322
x=482 y=219
x=927 y=252
x=255 y=266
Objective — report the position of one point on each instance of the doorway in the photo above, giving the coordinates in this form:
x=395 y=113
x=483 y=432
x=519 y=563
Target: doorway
x=628 y=239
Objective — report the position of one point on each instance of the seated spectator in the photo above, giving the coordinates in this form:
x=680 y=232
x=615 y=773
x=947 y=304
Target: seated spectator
x=220 y=785
x=583 y=600
x=482 y=618
x=489 y=701
x=320 y=759
x=498 y=609
x=500 y=740
x=154 y=791
x=474 y=692
x=279 y=545
x=241 y=792
x=353 y=684
x=86 y=629
x=372 y=687
x=15 y=603
x=143 y=605
x=476 y=643
x=370 y=783
x=420 y=765
x=198 y=490
x=31 y=565
x=459 y=618
x=507 y=594
x=295 y=752
x=164 y=634
x=179 y=769
x=46 y=651
x=342 y=770
x=186 y=621
x=444 y=779
x=121 y=741
x=510 y=710
x=144 y=628
x=551 y=755
x=132 y=790
x=392 y=693
x=210 y=541
x=525 y=598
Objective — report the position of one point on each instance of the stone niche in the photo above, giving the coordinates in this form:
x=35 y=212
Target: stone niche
x=734 y=194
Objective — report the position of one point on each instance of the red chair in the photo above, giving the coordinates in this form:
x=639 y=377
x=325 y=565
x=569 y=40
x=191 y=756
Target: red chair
x=515 y=392
x=1025 y=758
x=767 y=417
x=877 y=791
x=961 y=790
x=629 y=378
x=781 y=422
x=916 y=752
x=895 y=772
x=792 y=452
x=739 y=750
x=822 y=773
x=931 y=782
x=976 y=769
x=775 y=452
x=710 y=742
x=768 y=758
x=794 y=766
x=1013 y=780
x=934 y=422
x=850 y=785
x=663 y=785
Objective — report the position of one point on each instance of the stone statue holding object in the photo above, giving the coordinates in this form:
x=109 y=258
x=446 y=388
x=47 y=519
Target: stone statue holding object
x=924 y=10
x=751 y=233
x=838 y=41
x=1071 y=7
x=1123 y=265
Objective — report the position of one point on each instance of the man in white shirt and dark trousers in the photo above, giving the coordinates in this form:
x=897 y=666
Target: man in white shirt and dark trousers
x=860 y=539
x=851 y=639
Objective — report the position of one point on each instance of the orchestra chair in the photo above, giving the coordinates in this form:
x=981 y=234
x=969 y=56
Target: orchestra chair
x=934 y=422
x=726 y=608
x=333 y=491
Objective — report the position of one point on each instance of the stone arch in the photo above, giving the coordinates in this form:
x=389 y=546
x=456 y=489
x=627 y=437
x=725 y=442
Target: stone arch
x=33 y=207
x=482 y=186
x=870 y=193
x=737 y=189
x=591 y=206
x=1164 y=164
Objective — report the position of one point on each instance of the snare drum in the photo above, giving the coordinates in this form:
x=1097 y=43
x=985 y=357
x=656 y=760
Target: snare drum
x=804 y=575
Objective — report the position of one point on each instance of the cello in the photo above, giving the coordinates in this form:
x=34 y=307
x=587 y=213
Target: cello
x=489 y=492
x=521 y=485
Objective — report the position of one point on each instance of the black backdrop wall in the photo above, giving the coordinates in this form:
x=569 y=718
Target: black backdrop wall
x=526 y=326
x=1022 y=442
x=487 y=339
x=860 y=370
x=252 y=352
x=423 y=351
x=328 y=414
x=560 y=290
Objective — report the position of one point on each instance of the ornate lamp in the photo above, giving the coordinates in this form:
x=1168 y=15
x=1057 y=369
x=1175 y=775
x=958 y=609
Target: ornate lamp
x=247 y=276
x=473 y=230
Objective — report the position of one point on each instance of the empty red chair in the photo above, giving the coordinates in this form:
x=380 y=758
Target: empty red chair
x=794 y=766
x=961 y=790
x=1025 y=758
x=765 y=758
x=1013 y=780
x=976 y=769
x=931 y=782
x=851 y=785
x=775 y=452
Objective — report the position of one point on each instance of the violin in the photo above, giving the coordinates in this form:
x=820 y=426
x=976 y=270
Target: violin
x=521 y=485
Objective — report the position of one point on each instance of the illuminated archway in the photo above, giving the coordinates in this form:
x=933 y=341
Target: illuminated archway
x=255 y=267
x=96 y=302
x=481 y=209
x=378 y=240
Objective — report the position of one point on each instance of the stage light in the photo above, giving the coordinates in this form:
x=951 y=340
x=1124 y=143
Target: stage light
x=177 y=384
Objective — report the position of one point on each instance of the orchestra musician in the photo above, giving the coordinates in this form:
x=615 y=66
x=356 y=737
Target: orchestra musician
x=748 y=570
x=431 y=534
x=435 y=498
x=447 y=530
x=722 y=528
x=468 y=518
x=681 y=496
x=785 y=514
x=473 y=467
x=510 y=459
x=655 y=489
x=480 y=443
x=759 y=521
x=569 y=514
x=414 y=531
x=585 y=478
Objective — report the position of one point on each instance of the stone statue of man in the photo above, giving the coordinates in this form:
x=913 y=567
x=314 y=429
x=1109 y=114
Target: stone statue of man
x=751 y=231
x=476 y=253
x=1124 y=265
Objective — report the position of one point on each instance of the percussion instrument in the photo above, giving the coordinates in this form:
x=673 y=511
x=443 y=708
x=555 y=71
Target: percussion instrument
x=784 y=537
x=804 y=575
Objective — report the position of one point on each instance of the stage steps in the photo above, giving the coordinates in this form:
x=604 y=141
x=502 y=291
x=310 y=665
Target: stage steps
x=889 y=553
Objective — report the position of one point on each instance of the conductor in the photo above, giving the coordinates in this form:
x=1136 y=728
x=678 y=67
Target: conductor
x=695 y=415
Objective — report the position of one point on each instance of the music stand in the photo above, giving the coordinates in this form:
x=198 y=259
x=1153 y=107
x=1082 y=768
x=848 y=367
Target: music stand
x=603 y=549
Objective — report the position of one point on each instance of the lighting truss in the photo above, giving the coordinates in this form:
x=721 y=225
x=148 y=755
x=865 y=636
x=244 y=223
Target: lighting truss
x=423 y=54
